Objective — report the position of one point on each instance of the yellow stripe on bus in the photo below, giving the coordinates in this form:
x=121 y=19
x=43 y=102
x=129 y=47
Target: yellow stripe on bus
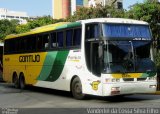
x=127 y=75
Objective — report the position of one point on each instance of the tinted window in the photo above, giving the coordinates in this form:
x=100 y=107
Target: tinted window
x=77 y=37
x=39 y=42
x=45 y=43
x=53 y=40
x=69 y=36
x=92 y=31
x=126 y=31
x=31 y=43
x=60 y=39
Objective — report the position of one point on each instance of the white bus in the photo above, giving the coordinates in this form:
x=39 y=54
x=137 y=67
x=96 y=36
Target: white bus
x=102 y=57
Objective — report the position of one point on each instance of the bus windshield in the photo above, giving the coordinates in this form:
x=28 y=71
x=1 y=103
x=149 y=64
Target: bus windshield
x=127 y=56
x=123 y=31
x=124 y=51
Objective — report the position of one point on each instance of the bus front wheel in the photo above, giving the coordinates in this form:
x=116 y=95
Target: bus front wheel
x=77 y=89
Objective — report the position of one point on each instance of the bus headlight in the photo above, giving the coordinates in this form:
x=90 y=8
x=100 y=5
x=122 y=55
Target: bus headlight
x=115 y=89
x=115 y=80
x=112 y=80
x=152 y=86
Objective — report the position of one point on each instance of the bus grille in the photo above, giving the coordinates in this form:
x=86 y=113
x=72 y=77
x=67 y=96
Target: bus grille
x=132 y=79
x=128 y=79
x=141 y=79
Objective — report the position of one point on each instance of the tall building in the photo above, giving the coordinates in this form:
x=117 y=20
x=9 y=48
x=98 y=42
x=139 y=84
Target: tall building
x=76 y=4
x=65 y=8
x=17 y=15
x=61 y=8
x=117 y=3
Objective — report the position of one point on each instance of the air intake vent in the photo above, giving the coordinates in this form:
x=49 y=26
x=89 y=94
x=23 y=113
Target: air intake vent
x=128 y=79
x=141 y=79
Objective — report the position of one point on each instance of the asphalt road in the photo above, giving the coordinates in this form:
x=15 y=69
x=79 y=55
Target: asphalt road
x=42 y=100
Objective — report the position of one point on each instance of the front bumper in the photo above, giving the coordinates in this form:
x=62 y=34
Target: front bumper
x=111 y=89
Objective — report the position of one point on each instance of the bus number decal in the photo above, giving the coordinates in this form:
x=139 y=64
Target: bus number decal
x=126 y=75
x=29 y=58
x=95 y=85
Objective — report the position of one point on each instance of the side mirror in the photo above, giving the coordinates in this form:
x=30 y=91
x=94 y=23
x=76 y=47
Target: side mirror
x=100 y=51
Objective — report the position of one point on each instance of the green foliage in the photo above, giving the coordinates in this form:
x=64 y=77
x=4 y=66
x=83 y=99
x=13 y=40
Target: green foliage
x=40 y=21
x=7 y=27
x=147 y=11
x=22 y=28
x=157 y=60
x=96 y=12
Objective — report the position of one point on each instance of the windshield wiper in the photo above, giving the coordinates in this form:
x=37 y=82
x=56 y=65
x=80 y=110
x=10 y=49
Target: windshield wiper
x=129 y=59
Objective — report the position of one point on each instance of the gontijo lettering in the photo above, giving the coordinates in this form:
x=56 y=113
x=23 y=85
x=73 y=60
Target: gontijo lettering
x=29 y=58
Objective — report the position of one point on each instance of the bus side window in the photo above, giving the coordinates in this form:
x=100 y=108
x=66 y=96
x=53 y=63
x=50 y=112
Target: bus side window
x=39 y=42
x=45 y=42
x=31 y=43
x=69 y=36
x=53 y=40
x=60 y=39
x=92 y=31
x=77 y=37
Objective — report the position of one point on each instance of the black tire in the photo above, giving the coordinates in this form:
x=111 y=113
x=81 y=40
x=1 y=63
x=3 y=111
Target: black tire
x=15 y=81
x=22 y=84
x=76 y=89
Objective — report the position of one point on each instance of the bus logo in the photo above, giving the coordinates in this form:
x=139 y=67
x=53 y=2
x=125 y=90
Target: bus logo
x=29 y=58
x=95 y=85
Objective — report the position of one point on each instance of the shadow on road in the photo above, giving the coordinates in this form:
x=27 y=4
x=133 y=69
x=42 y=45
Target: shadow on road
x=48 y=91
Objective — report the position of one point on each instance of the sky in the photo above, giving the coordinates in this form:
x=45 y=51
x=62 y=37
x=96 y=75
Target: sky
x=42 y=7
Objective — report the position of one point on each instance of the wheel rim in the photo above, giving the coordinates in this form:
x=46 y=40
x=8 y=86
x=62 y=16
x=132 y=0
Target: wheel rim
x=16 y=82
x=22 y=83
x=78 y=89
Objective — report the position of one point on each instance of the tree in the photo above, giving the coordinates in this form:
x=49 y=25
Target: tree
x=7 y=27
x=40 y=21
x=96 y=12
x=149 y=12
x=152 y=1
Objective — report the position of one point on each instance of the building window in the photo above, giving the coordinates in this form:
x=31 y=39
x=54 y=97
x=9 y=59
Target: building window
x=2 y=15
x=79 y=2
x=119 y=5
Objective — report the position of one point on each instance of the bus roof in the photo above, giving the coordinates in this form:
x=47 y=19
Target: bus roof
x=74 y=24
x=114 y=20
x=46 y=28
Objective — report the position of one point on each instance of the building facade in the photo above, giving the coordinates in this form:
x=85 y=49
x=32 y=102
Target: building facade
x=7 y=14
x=61 y=8
x=117 y=3
x=65 y=8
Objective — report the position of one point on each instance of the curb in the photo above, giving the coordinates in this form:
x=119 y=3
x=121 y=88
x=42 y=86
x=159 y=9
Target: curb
x=157 y=93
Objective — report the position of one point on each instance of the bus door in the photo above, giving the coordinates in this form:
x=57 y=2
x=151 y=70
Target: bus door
x=94 y=59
